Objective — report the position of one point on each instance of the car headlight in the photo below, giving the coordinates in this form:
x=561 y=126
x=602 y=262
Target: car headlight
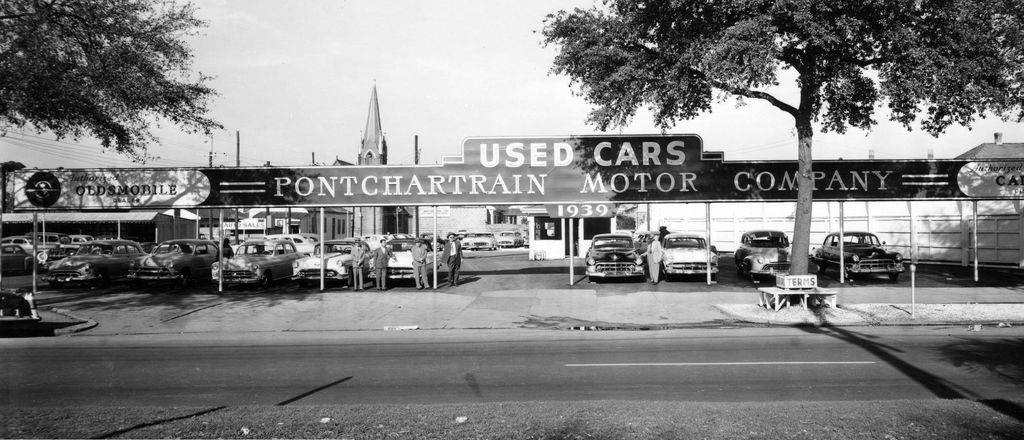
x=759 y=259
x=255 y=266
x=898 y=257
x=215 y=265
x=855 y=258
x=591 y=261
x=295 y=264
x=170 y=266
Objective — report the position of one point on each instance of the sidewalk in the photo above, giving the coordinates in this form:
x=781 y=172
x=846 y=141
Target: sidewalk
x=461 y=308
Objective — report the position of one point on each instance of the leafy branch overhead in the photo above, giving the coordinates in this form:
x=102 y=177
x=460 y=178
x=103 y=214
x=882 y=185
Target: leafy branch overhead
x=939 y=62
x=109 y=69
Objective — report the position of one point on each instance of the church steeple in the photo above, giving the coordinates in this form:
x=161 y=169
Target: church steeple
x=374 y=150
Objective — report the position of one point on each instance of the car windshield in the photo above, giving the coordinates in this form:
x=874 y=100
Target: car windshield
x=173 y=248
x=508 y=234
x=683 y=242
x=768 y=240
x=400 y=246
x=95 y=249
x=860 y=240
x=612 y=243
x=256 y=249
x=344 y=248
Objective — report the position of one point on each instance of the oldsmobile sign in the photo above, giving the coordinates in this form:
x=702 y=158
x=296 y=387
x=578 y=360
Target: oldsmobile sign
x=505 y=171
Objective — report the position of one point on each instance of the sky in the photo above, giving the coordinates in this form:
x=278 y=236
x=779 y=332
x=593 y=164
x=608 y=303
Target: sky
x=294 y=79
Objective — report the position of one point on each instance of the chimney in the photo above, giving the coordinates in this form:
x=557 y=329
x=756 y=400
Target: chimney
x=871 y=154
x=931 y=154
x=999 y=138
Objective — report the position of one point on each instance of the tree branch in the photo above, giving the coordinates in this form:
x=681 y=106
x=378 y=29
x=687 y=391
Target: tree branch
x=755 y=94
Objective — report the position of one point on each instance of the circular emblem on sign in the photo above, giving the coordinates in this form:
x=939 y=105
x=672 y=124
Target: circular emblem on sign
x=42 y=189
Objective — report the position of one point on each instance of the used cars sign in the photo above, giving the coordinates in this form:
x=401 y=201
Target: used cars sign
x=497 y=171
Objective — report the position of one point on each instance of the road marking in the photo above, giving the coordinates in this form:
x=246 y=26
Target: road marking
x=711 y=364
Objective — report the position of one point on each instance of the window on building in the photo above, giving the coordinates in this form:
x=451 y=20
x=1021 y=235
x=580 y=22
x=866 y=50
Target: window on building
x=547 y=228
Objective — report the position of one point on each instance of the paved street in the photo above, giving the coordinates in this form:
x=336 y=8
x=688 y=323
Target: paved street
x=750 y=364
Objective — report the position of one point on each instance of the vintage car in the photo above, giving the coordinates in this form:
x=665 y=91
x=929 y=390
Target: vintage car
x=24 y=242
x=401 y=265
x=49 y=247
x=338 y=259
x=14 y=259
x=613 y=256
x=687 y=254
x=511 y=239
x=476 y=241
x=177 y=260
x=98 y=261
x=863 y=254
x=373 y=240
x=762 y=253
x=304 y=243
x=258 y=262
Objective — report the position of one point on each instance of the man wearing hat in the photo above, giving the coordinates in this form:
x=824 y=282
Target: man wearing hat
x=452 y=257
x=420 y=250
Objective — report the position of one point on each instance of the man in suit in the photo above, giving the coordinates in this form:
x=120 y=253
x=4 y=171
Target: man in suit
x=381 y=256
x=452 y=256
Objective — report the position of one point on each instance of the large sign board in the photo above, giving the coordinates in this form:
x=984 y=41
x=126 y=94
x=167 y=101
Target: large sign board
x=532 y=170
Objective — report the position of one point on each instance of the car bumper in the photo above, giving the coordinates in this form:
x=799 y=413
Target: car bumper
x=401 y=272
x=68 y=278
x=689 y=268
x=857 y=268
x=314 y=274
x=770 y=269
x=593 y=272
x=165 y=276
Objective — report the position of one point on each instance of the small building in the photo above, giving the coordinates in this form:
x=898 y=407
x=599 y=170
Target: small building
x=141 y=226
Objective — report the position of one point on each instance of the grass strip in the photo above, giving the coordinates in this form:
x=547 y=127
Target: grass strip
x=917 y=419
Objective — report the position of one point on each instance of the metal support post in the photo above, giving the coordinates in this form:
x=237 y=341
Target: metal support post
x=220 y=255
x=842 y=251
x=572 y=259
x=323 y=261
x=199 y=218
x=31 y=297
x=287 y=227
x=1 y=250
x=118 y=229
x=707 y=235
x=974 y=239
x=435 y=247
x=913 y=260
x=913 y=291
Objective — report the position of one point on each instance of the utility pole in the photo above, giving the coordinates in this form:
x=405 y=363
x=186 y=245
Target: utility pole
x=211 y=150
x=313 y=159
x=416 y=148
x=238 y=149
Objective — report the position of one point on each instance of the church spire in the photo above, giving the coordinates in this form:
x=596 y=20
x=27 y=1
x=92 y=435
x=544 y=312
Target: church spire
x=374 y=150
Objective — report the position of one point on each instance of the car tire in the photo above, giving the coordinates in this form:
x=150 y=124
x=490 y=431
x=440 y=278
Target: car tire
x=267 y=279
x=103 y=279
x=894 y=277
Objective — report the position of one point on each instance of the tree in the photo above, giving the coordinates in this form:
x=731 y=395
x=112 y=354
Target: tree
x=5 y=168
x=109 y=69
x=936 y=62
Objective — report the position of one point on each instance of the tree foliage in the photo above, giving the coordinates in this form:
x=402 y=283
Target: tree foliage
x=112 y=69
x=946 y=61
x=933 y=63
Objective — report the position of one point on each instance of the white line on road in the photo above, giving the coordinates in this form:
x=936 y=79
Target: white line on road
x=705 y=364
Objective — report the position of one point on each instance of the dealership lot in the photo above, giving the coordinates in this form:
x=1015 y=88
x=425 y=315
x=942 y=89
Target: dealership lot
x=500 y=289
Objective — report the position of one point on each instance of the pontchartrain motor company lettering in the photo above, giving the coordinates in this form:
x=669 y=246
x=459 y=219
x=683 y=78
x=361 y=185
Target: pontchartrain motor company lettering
x=495 y=171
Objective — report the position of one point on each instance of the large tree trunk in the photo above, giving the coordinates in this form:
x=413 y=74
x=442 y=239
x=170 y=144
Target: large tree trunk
x=804 y=197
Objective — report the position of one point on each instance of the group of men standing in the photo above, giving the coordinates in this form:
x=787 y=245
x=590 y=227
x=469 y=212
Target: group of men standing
x=383 y=255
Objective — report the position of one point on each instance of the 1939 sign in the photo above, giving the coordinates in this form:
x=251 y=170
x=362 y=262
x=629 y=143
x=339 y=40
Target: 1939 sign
x=581 y=210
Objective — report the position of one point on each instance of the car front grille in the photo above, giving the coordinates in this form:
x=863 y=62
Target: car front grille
x=315 y=273
x=615 y=267
x=65 y=273
x=239 y=274
x=876 y=264
x=689 y=266
x=152 y=271
x=777 y=267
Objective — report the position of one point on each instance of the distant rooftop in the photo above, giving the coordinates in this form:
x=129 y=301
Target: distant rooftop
x=995 y=150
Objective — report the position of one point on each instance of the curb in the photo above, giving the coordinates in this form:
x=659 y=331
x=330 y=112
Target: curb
x=870 y=323
x=63 y=331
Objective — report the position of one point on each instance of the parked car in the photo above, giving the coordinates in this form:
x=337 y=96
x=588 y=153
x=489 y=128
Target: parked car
x=78 y=239
x=373 y=240
x=15 y=259
x=182 y=261
x=613 y=256
x=687 y=254
x=762 y=253
x=24 y=242
x=304 y=243
x=479 y=240
x=99 y=262
x=258 y=262
x=863 y=254
x=429 y=238
x=511 y=239
x=401 y=266
x=338 y=262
